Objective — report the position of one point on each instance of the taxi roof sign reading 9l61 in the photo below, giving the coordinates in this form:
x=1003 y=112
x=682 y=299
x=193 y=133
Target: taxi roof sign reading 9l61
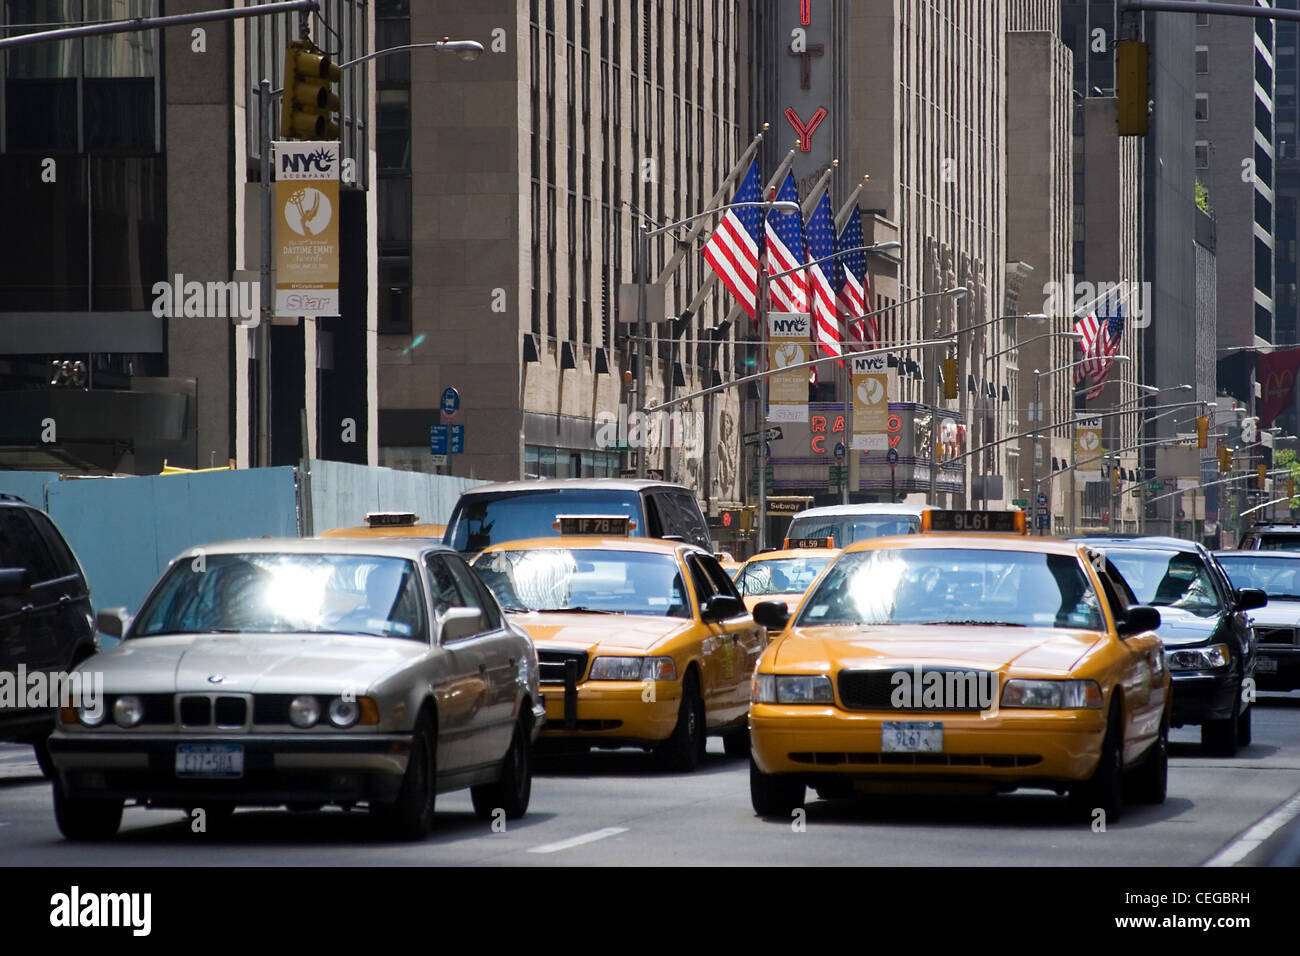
x=391 y=519
x=1011 y=522
x=791 y=543
x=617 y=525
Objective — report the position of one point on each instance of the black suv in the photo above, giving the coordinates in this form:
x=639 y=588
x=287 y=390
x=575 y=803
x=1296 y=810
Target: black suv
x=1271 y=537
x=46 y=621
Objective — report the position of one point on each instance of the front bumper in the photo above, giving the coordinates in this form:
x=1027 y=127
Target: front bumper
x=1200 y=696
x=614 y=711
x=277 y=769
x=1287 y=673
x=1006 y=750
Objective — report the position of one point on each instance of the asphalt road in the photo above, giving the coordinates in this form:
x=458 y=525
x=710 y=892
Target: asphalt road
x=614 y=808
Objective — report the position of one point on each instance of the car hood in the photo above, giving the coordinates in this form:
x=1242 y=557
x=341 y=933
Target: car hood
x=1277 y=613
x=1038 y=649
x=628 y=631
x=1179 y=627
x=253 y=663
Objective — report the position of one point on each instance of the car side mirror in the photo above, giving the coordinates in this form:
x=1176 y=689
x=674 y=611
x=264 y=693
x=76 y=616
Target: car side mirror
x=1248 y=599
x=720 y=607
x=1138 y=619
x=13 y=581
x=112 y=621
x=459 y=622
x=773 y=615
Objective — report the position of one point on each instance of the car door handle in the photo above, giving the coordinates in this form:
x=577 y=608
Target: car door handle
x=512 y=661
x=64 y=600
x=27 y=608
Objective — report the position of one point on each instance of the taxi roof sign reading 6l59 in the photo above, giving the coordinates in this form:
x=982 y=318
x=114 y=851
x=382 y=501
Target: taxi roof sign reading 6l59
x=390 y=519
x=617 y=525
x=1011 y=522
x=791 y=543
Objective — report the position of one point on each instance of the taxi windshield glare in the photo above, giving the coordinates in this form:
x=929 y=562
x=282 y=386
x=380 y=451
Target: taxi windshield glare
x=1165 y=579
x=585 y=580
x=780 y=575
x=955 y=586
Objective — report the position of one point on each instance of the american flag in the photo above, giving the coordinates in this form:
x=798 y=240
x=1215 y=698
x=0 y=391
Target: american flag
x=785 y=251
x=735 y=246
x=851 y=284
x=821 y=243
x=1100 y=343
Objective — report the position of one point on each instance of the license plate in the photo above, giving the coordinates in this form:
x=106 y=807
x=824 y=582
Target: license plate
x=1266 y=665
x=209 y=760
x=911 y=736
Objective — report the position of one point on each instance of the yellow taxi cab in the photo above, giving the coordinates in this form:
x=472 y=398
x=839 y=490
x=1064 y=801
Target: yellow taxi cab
x=641 y=642
x=969 y=658
x=784 y=574
x=728 y=563
x=389 y=524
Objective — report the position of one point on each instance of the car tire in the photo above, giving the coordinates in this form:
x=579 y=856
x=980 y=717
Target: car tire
x=1219 y=737
x=683 y=751
x=511 y=791
x=1150 y=782
x=43 y=759
x=410 y=817
x=736 y=744
x=1243 y=727
x=774 y=795
x=1104 y=790
x=85 y=819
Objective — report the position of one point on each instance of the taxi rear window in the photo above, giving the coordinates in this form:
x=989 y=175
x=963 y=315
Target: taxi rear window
x=954 y=586
x=846 y=529
x=480 y=521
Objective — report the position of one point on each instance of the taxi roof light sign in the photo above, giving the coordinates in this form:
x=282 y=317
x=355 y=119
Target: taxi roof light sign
x=1003 y=522
x=390 y=519
x=791 y=543
x=593 y=524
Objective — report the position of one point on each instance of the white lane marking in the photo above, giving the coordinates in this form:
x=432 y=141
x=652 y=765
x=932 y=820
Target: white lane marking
x=568 y=844
x=1244 y=845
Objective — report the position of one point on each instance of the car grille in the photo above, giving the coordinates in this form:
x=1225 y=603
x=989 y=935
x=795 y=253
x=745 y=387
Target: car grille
x=1278 y=636
x=209 y=710
x=833 y=758
x=551 y=665
x=874 y=689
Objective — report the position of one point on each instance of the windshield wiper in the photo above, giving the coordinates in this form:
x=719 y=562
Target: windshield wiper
x=575 y=609
x=974 y=623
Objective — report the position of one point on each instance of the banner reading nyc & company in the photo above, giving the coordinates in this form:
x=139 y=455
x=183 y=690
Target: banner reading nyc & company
x=787 y=392
x=307 y=228
x=870 y=403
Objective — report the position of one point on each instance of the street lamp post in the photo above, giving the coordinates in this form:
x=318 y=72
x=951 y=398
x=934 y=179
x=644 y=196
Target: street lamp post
x=933 y=453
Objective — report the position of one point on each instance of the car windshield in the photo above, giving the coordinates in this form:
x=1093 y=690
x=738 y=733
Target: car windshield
x=480 y=521
x=586 y=580
x=846 y=529
x=1168 y=579
x=954 y=586
x=780 y=575
x=286 y=594
x=1277 y=577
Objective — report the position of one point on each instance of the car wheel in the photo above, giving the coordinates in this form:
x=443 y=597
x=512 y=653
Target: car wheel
x=513 y=788
x=411 y=816
x=736 y=744
x=1104 y=790
x=43 y=759
x=85 y=818
x=1243 y=728
x=1151 y=780
x=774 y=795
x=1219 y=737
x=683 y=751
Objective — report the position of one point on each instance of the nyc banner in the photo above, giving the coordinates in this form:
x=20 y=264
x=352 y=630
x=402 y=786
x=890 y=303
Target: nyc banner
x=870 y=402
x=307 y=228
x=790 y=340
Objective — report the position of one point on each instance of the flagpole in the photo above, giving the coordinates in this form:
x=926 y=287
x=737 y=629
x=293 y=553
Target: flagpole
x=849 y=470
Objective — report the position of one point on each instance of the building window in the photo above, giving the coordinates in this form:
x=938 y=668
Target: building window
x=1202 y=107
x=543 y=462
x=1202 y=60
x=1202 y=154
x=393 y=158
x=1202 y=19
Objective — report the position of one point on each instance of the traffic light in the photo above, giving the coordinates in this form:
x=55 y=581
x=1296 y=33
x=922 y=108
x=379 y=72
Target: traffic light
x=1225 y=459
x=1203 y=431
x=308 y=105
x=950 y=378
x=1131 y=86
x=1261 y=473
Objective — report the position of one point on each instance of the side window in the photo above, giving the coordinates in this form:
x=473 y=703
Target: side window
x=655 y=519
x=700 y=581
x=21 y=546
x=689 y=511
x=722 y=583
x=476 y=594
x=65 y=562
x=443 y=584
x=1118 y=596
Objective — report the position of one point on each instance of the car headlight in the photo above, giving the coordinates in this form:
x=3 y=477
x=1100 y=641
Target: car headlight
x=344 y=713
x=91 y=716
x=616 y=668
x=1198 y=658
x=792 y=689
x=128 y=710
x=659 y=668
x=304 y=711
x=1052 y=694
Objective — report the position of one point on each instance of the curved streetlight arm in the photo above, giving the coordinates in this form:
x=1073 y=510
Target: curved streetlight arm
x=1222 y=481
x=1037 y=338
x=779 y=205
x=1275 y=501
x=459 y=47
